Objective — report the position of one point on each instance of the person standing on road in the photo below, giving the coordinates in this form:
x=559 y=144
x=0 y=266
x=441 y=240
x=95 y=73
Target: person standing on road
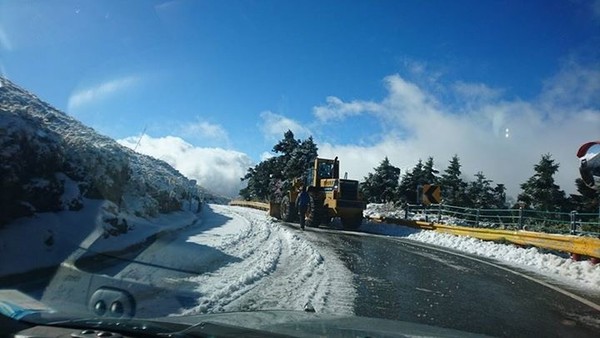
x=302 y=205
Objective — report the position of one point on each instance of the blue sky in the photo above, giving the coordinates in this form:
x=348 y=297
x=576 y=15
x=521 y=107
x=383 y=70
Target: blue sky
x=214 y=84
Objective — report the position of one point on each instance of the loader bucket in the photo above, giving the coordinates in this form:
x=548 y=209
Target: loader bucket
x=275 y=209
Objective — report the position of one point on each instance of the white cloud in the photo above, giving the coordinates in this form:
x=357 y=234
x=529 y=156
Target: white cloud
x=336 y=109
x=418 y=125
x=203 y=129
x=266 y=155
x=275 y=125
x=216 y=169
x=476 y=92
x=574 y=86
x=5 y=42
x=100 y=91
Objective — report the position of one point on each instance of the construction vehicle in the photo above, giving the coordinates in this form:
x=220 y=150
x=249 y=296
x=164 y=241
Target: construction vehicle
x=330 y=197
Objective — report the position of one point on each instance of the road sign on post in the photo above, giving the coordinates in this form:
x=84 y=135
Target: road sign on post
x=432 y=194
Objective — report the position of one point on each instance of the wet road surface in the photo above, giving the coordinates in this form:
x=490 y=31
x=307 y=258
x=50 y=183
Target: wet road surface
x=407 y=281
x=402 y=281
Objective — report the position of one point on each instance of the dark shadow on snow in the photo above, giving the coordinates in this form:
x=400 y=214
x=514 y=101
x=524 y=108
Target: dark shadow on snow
x=169 y=250
x=162 y=266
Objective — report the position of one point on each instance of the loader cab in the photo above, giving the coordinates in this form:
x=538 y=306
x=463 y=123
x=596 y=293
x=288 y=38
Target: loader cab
x=322 y=169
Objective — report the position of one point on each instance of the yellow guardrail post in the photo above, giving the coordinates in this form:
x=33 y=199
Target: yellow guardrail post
x=250 y=204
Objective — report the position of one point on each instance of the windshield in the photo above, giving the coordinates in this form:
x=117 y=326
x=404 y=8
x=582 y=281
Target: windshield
x=159 y=160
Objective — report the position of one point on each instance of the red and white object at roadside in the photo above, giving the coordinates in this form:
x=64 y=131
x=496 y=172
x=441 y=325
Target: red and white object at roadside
x=589 y=168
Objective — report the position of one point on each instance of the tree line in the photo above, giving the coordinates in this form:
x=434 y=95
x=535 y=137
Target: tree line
x=292 y=157
x=539 y=192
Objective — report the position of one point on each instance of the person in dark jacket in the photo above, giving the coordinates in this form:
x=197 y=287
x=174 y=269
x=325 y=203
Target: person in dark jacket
x=302 y=205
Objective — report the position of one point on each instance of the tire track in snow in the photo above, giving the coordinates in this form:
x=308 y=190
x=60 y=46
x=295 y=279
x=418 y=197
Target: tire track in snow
x=306 y=274
x=279 y=269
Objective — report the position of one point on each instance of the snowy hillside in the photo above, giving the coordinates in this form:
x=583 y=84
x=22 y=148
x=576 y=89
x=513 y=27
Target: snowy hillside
x=50 y=163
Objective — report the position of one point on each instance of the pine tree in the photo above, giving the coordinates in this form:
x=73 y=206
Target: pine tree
x=406 y=193
x=540 y=192
x=499 y=193
x=268 y=178
x=286 y=146
x=260 y=179
x=300 y=159
x=430 y=174
x=587 y=200
x=452 y=185
x=411 y=182
x=382 y=186
x=480 y=192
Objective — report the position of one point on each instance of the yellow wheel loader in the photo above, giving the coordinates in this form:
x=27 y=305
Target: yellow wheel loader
x=330 y=197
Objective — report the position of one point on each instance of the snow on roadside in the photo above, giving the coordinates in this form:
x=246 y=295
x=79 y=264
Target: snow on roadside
x=47 y=239
x=582 y=275
x=241 y=259
x=274 y=268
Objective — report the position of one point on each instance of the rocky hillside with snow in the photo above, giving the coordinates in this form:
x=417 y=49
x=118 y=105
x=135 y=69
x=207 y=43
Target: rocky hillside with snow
x=51 y=162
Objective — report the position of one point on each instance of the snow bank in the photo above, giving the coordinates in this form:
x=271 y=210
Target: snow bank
x=273 y=268
x=582 y=275
x=47 y=239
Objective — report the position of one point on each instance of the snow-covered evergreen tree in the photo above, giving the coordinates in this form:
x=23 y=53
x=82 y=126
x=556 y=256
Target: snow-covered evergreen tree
x=411 y=182
x=301 y=158
x=452 y=185
x=587 y=200
x=268 y=178
x=381 y=186
x=499 y=196
x=481 y=193
x=540 y=192
x=430 y=174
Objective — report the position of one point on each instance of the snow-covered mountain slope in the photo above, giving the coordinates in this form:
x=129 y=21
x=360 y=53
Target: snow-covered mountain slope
x=50 y=162
x=62 y=184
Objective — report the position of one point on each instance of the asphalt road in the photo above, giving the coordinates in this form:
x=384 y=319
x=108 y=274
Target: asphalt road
x=402 y=280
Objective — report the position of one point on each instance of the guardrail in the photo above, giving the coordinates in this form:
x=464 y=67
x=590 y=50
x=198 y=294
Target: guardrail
x=512 y=232
x=575 y=245
x=249 y=204
x=572 y=223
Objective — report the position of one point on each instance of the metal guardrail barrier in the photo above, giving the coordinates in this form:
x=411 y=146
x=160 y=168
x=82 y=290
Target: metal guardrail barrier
x=572 y=223
x=574 y=233
x=579 y=245
x=250 y=204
